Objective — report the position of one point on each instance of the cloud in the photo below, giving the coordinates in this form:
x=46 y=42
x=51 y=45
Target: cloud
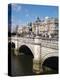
x=16 y=7
x=27 y=15
x=13 y=27
x=19 y=8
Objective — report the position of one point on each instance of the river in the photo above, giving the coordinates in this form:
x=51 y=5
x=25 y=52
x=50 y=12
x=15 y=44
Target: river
x=23 y=65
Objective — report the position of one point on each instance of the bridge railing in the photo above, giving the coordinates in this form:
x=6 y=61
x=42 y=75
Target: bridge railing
x=50 y=45
x=45 y=43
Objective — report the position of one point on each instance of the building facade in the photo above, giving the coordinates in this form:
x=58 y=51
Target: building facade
x=47 y=27
x=44 y=28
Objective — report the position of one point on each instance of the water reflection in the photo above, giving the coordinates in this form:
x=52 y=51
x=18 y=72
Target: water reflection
x=21 y=65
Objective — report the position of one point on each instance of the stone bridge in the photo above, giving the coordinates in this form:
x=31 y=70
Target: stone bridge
x=40 y=49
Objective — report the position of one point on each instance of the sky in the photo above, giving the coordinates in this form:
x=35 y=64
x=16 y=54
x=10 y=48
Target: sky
x=22 y=14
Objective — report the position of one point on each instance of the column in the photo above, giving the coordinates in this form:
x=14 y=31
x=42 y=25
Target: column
x=37 y=67
x=16 y=46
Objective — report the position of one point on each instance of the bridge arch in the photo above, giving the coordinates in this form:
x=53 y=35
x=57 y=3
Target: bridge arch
x=11 y=45
x=24 y=49
x=49 y=55
x=51 y=61
x=11 y=48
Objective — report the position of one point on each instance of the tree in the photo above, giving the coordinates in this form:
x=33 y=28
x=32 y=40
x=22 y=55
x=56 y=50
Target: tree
x=30 y=24
x=38 y=19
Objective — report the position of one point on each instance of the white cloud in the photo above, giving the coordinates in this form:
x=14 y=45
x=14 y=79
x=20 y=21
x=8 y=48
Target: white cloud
x=14 y=23
x=27 y=15
x=13 y=27
x=19 y=8
x=16 y=7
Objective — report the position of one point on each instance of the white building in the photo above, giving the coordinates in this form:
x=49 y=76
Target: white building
x=20 y=30
x=47 y=27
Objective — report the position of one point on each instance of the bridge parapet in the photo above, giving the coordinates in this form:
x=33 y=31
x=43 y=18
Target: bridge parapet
x=46 y=43
x=50 y=45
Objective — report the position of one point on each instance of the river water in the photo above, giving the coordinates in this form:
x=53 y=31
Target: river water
x=23 y=65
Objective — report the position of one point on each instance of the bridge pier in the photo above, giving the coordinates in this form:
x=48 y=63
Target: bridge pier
x=16 y=48
x=37 y=67
x=16 y=51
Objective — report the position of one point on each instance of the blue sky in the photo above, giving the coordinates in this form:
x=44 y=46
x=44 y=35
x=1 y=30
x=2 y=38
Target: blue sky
x=23 y=13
